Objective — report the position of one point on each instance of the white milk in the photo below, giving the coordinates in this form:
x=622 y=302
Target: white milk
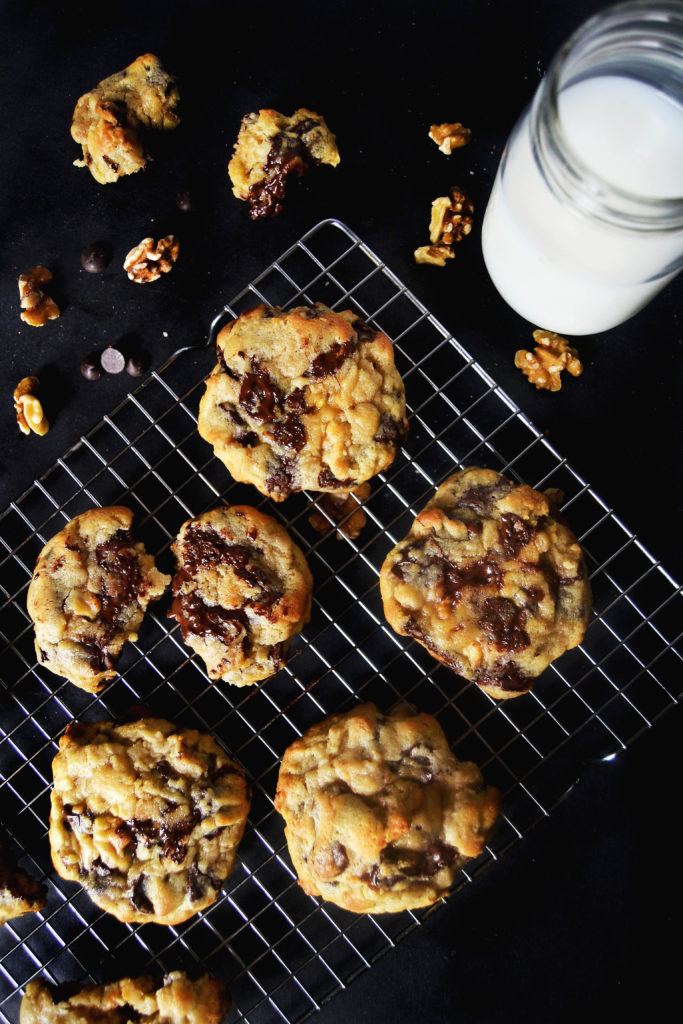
x=559 y=268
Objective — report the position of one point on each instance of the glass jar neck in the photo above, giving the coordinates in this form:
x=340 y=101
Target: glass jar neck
x=638 y=40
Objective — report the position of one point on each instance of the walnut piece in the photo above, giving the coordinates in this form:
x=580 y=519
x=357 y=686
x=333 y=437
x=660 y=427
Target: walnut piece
x=150 y=259
x=451 y=217
x=449 y=136
x=436 y=255
x=30 y=415
x=337 y=507
x=108 y=120
x=38 y=307
x=551 y=355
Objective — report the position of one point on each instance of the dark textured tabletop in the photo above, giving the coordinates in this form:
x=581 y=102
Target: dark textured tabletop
x=574 y=919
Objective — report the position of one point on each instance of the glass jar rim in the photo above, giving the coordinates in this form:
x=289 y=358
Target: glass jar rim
x=562 y=165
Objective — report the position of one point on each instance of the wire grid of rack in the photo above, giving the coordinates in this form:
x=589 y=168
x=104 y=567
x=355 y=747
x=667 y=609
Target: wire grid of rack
x=281 y=952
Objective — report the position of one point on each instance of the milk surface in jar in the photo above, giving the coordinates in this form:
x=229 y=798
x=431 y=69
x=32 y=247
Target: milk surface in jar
x=585 y=220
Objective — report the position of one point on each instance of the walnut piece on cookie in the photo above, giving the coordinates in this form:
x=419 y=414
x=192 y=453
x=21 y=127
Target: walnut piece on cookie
x=450 y=136
x=37 y=307
x=242 y=591
x=108 y=120
x=148 y=260
x=490 y=580
x=303 y=399
x=270 y=149
x=174 y=998
x=90 y=589
x=146 y=816
x=551 y=355
x=29 y=410
x=379 y=814
x=19 y=893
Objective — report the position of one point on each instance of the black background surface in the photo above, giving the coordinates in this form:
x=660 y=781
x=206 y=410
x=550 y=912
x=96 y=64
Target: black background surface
x=575 y=918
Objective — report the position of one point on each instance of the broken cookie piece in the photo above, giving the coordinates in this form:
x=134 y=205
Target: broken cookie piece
x=270 y=148
x=108 y=120
x=551 y=355
x=19 y=893
x=37 y=306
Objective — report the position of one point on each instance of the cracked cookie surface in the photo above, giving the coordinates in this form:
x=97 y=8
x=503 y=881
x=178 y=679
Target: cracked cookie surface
x=88 y=595
x=108 y=120
x=379 y=814
x=490 y=581
x=272 y=148
x=242 y=591
x=146 y=816
x=307 y=399
x=172 y=999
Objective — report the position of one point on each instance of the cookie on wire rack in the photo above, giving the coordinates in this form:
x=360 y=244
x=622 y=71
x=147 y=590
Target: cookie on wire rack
x=242 y=591
x=379 y=814
x=174 y=998
x=490 y=580
x=307 y=399
x=90 y=589
x=146 y=816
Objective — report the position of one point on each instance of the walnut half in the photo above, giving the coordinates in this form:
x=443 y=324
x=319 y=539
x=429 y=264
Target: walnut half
x=30 y=415
x=450 y=136
x=38 y=307
x=149 y=259
x=551 y=355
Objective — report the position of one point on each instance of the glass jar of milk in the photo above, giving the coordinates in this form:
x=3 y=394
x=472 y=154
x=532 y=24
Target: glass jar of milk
x=585 y=220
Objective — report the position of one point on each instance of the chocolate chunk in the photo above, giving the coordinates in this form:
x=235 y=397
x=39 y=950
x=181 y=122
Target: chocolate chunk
x=184 y=202
x=504 y=676
x=329 y=362
x=390 y=431
x=364 y=331
x=112 y=360
x=340 y=857
x=514 y=534
x=96 y=257
x=259 y=395
x=290 y=433
x=296 y=402
x=248 y=439
x=503 y=622
x=91 y=367
x=480 y=573
x=199 y=619
x=480 y=497
x=196 y=885
x=283 y=479
x=326 y=478
x=139 y=899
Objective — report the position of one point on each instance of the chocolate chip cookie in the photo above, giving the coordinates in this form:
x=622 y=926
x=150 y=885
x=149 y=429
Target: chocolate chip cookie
x=272 y=148
x=242 y=591
x=173 y=999
x=146 y=816
x=379 y=814
x=306 y=399
x=90 y=589
x=19 y=893
x=108 y=120
x=490 y=580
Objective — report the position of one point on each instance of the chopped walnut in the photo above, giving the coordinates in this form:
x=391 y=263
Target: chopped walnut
x=551 y=355
x=30 y=415
x=338 y=507
x=451 y=218
x=434 y=254
x=150 y=259
x=38 y=307
x=449 y=136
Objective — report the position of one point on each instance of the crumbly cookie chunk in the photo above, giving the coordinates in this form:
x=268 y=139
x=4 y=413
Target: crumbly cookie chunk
x=90 y=589
x=19 y=893
x=490 y=581
x=379 y=814
x=173 y=999
x=242 y=591
x=307 y=399
x=270 y=148
x=146 y=816
x=109 y=119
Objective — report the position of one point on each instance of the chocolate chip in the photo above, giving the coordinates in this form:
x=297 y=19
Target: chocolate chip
x=329 y=362
x=96 y=257
x=503 y=622
x=112 y=360
x=184 y=202
x=91 y=367
x=136 y=364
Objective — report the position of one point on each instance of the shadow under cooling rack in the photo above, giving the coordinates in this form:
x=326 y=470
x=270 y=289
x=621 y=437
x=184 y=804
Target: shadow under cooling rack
x=282 y=953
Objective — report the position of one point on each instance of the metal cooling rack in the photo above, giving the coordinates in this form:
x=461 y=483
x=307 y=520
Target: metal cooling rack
x=282 y=953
